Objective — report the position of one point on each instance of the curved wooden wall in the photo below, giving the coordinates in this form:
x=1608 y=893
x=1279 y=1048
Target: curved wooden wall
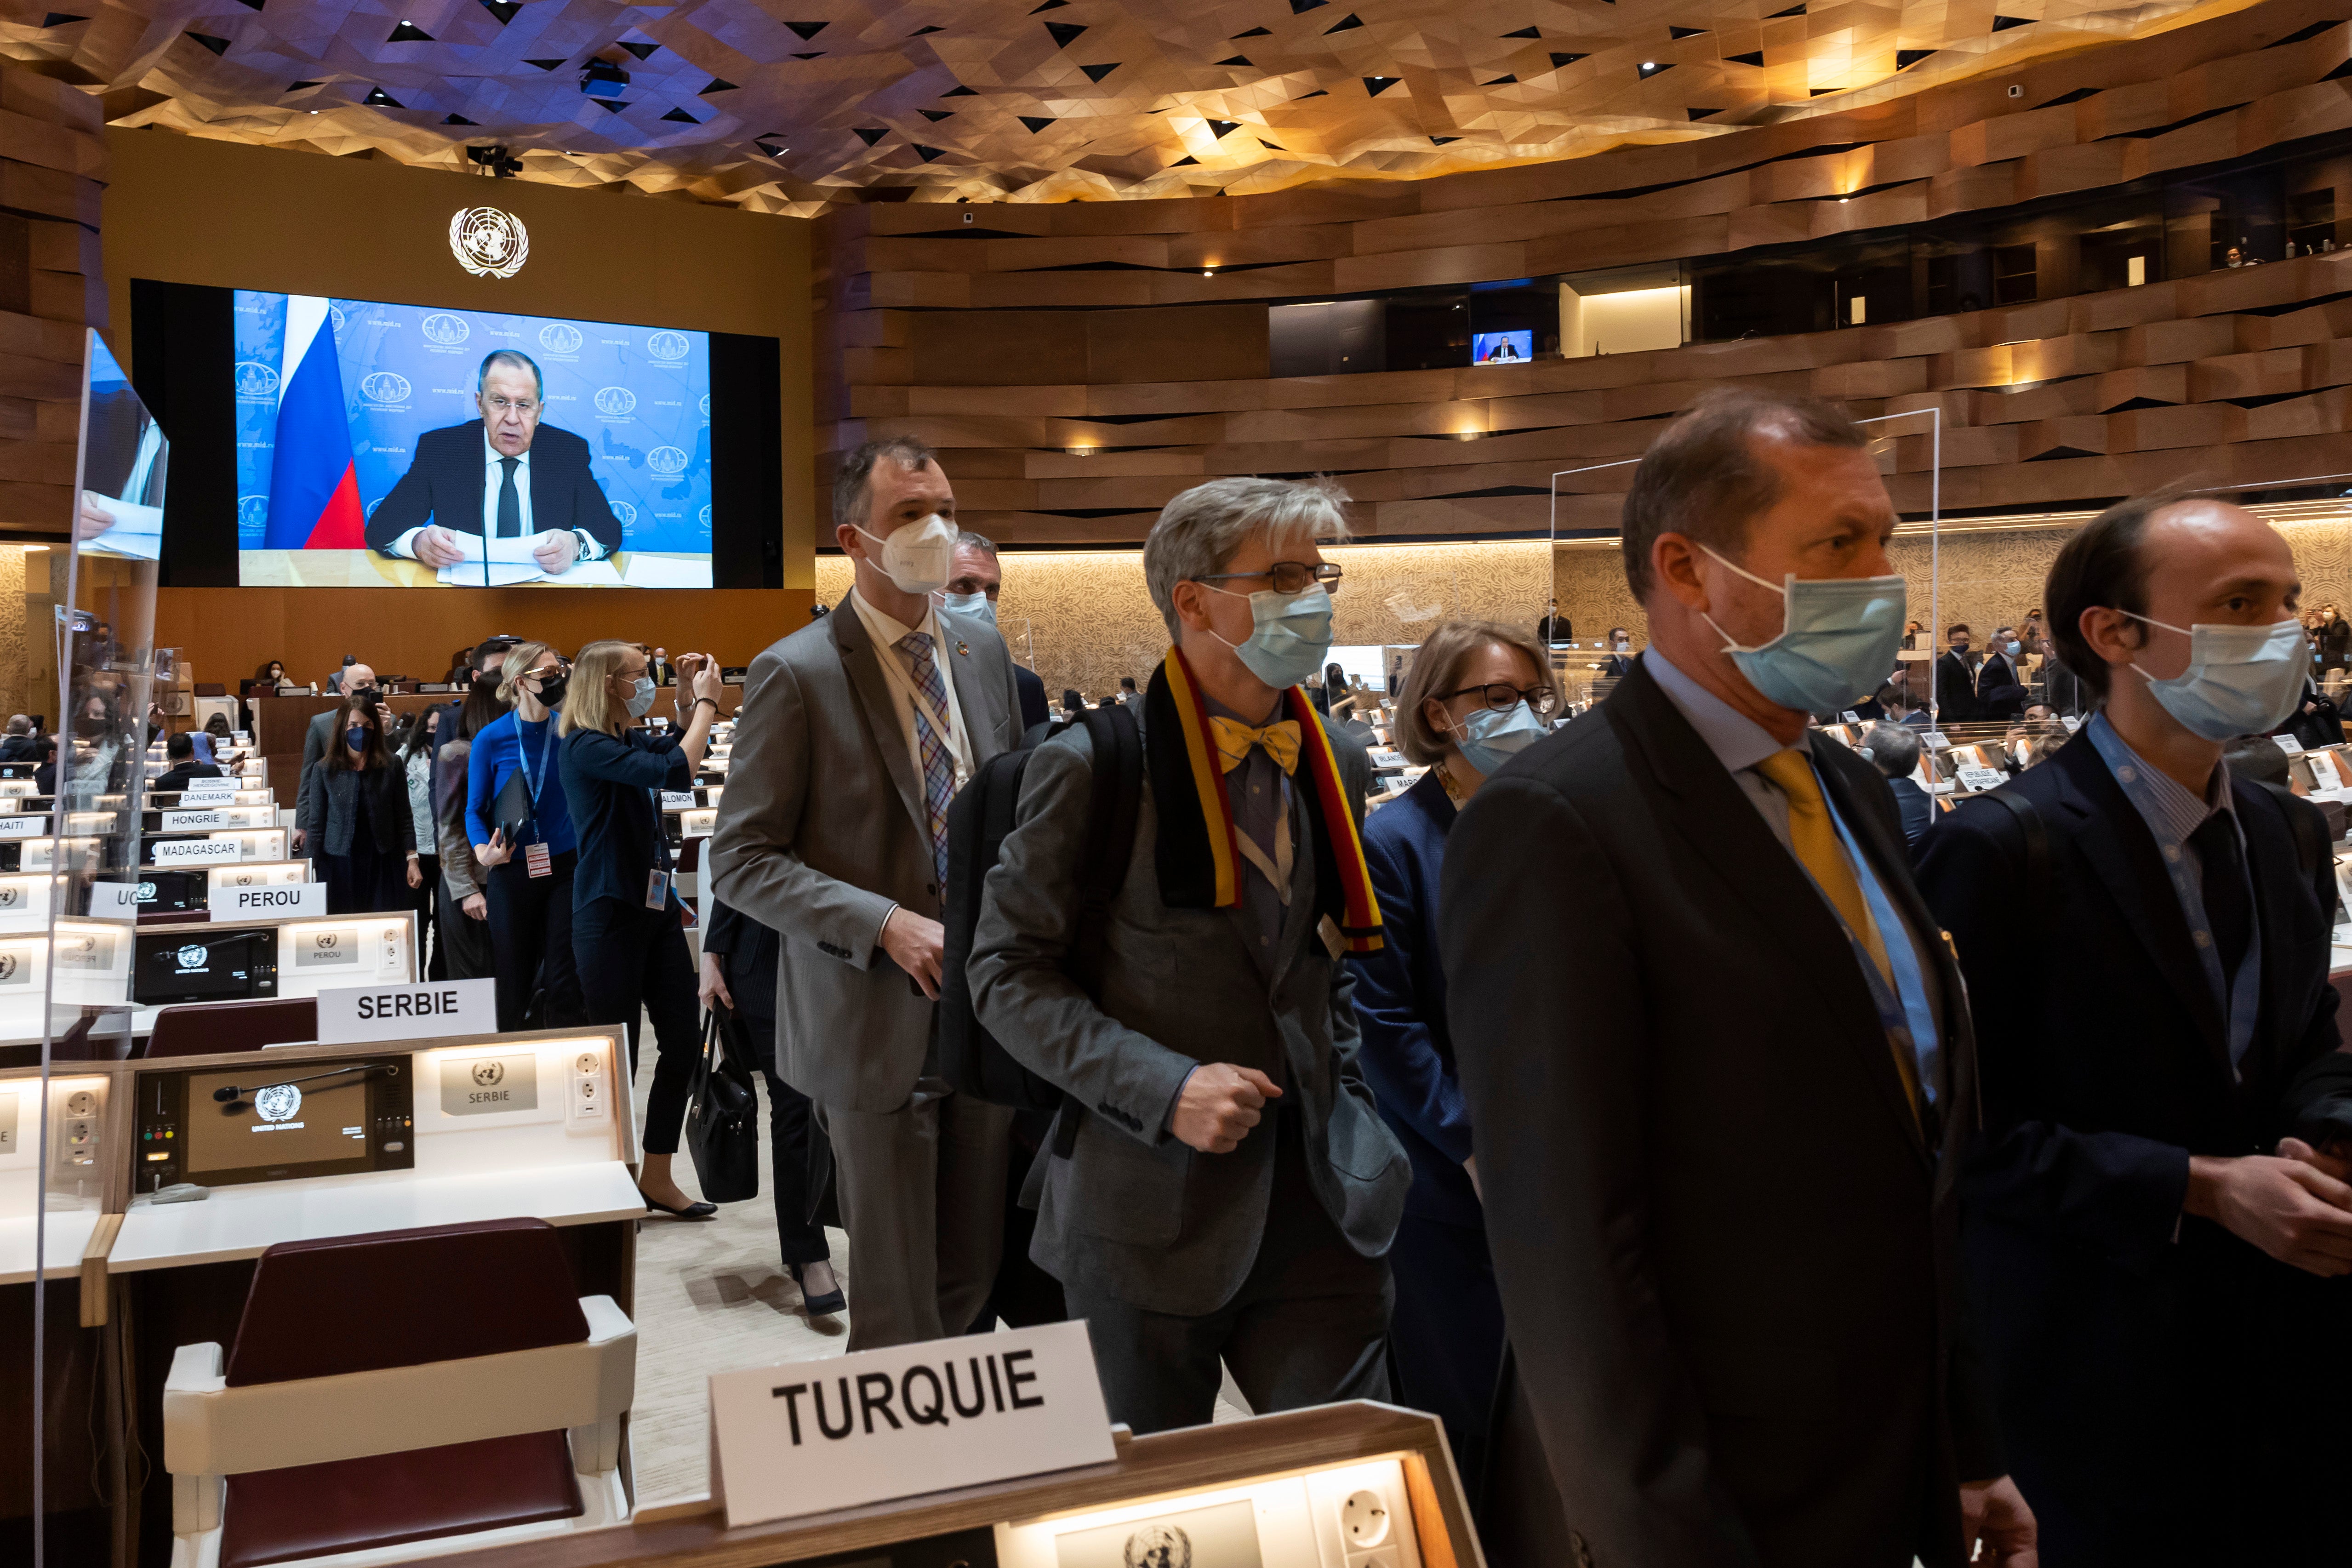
x=969 y=336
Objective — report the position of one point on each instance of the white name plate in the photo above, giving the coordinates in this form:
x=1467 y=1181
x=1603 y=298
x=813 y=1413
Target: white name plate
x=196 y=852
x=407 y=1013
x=225 y=785
x=2289 y=744
x=1977 y=779
x=250 y=903
x=114 y=901
x=19 y=826
x=854 y=1429
x=198 y=822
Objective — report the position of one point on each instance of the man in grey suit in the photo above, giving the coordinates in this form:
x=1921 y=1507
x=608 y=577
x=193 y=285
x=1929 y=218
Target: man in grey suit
x=1230 y=1192
x=317 y=739
x=857 y=730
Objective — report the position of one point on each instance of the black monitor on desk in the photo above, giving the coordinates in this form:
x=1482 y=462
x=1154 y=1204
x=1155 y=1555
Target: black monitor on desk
x=225 y=1126
x=162 y=890
x=204 y=965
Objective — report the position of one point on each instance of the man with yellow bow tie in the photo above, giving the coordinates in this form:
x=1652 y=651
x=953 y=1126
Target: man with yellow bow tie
x=1228 y=1193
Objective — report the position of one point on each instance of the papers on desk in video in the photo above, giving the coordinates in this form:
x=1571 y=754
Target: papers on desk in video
x=510 y=562
x=137 y=533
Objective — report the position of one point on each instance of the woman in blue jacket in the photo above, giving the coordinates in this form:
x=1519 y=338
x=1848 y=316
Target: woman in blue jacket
x=522 y=831
x=1477 y=695
x=626 y=939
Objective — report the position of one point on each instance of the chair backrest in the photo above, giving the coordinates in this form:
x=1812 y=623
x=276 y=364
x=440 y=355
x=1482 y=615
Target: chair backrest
x=404 y=1298
x=208 y=1029
x=689 y=857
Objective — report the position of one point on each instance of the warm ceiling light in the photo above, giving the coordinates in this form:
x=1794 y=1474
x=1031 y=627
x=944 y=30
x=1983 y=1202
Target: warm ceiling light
x=1649 y=64
x=36 y=546
x=1206 y=273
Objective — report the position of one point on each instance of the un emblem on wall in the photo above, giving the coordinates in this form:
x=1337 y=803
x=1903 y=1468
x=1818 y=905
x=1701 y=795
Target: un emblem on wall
x=488 y=243
x=665 y=460
x=614 y=403
x=445 y=329
x=666 y=345
x=277 y=1101
x=385 y=387
x=1158 y=1546
x=560 y=337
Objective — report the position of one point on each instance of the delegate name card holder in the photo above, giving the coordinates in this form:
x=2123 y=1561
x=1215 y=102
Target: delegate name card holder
x=815 y=1436
x=1976 y=781
x=430 y=1011
x=286 y=900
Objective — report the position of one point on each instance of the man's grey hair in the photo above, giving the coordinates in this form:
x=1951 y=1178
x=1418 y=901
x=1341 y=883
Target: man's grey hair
x=853 y=482
x=1893 y=748
x=1204 y=527
x=967 y=539
x=20 y=724
x=520 y=362
x=1704 y=477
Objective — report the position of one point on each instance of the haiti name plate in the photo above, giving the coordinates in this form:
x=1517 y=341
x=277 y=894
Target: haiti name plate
x=819 y=1435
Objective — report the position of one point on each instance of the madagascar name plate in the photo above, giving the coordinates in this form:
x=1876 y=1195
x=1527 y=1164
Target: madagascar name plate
x=814 y=1436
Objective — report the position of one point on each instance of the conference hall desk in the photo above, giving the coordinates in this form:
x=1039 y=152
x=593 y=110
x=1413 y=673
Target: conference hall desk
x=132 y=1280
x=371 y=568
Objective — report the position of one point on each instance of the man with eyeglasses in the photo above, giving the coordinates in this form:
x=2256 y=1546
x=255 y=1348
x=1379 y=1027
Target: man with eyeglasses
x=505 y=476
x=1220 y=1191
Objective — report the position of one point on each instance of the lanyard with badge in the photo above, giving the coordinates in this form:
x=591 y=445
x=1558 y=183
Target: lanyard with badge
x=658 y=880
x=537 y=861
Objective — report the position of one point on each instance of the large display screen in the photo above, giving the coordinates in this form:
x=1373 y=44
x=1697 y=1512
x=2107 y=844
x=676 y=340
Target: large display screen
x=400 y=445
x=1502 y=348
x=274 y=1123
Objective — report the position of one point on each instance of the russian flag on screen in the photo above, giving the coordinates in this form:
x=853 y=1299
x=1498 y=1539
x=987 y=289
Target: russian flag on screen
x=314 y=492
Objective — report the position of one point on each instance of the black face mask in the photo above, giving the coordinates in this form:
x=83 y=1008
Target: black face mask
x=551 y=688
x=364 y=692
x=90 y=727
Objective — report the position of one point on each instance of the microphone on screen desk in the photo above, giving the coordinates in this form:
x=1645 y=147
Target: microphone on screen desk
x=231 y=1093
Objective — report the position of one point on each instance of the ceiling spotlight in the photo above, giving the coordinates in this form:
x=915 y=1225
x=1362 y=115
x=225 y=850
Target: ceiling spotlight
x=1649 y=64
x=1206 y=273
x=1843 y=200
x=1080 y=451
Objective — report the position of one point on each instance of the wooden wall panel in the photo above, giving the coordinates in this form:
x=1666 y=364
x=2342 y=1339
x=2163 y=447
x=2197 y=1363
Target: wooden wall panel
x=2244 y=367
x=53 y=167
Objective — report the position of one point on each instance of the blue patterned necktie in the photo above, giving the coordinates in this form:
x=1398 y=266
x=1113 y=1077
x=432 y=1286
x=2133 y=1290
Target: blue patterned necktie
x=938 y=763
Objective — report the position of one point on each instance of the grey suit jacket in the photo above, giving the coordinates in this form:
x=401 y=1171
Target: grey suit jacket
x=1154 y=1221
x=822 y=831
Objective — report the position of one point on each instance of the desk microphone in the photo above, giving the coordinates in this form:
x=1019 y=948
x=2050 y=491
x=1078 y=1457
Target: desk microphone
x=232 y=1092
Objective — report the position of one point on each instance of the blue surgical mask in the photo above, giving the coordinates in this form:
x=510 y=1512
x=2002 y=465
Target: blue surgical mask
x=1292 y=633
x=2241 y=680
x=642 y=698
x=1487 y=739
x=1837 y=641
x=356 y=737
x=2013 y=648
x=970 y=604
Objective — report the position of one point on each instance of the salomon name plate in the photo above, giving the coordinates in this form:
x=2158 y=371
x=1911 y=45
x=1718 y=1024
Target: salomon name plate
x=819 y=1435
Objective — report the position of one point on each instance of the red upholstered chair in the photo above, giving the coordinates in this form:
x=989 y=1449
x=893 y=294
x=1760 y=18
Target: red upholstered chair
x=438 y=1389
x=208 y=1029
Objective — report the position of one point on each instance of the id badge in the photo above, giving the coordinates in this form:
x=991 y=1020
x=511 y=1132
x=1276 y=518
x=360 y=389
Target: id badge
x=657 y=890
x=537 y=861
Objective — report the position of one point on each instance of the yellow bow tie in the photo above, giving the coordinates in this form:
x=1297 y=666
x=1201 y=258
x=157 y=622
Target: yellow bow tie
x=1235 y=738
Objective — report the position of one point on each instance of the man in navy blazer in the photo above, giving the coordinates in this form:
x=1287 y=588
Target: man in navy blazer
x=507 y=476
x=2156 y=1230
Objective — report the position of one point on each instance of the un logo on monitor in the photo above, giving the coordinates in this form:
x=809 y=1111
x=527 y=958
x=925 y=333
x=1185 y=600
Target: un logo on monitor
x=488 y=243
x=616 y=402
x=385 y=387
x=665 y=460
x=445 y=329
x=277 y=1101
x=671 y=346
x=560 y=337
x=193 y=957
x=256 y=380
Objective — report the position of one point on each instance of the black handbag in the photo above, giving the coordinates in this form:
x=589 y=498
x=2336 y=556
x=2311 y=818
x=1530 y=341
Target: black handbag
x=722 y=1129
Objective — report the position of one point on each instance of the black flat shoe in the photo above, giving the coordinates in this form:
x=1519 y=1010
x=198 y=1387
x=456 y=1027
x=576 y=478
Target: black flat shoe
x=832 y=1301
x=691 y=1211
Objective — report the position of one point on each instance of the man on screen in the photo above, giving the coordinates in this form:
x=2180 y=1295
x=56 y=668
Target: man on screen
x=506 y=477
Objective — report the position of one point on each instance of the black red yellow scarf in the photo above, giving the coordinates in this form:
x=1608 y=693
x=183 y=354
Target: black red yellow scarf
x=1199 y=867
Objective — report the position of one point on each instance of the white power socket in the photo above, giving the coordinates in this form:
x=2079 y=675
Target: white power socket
x=1363 y=1519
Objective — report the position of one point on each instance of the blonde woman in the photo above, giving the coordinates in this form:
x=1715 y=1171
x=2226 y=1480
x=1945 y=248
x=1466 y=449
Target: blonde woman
x=1477 y=695
x=521 y=833
x=626 y=941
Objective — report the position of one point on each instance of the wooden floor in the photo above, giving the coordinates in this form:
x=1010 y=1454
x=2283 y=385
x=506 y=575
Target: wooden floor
x=712 y=1297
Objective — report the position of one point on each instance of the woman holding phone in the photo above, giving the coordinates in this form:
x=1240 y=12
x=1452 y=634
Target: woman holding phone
x=520 y=828
x=626 y=940
x=354 y=810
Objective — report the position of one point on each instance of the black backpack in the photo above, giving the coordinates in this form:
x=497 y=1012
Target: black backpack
x=971 y=1059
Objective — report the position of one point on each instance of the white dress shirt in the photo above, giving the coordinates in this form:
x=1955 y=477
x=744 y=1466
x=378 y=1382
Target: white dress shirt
x=493 y=480
x=898 y=673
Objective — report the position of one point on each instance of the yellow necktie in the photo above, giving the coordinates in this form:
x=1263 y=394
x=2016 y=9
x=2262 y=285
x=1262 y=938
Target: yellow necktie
x=1814 y=838
x=1235 y=739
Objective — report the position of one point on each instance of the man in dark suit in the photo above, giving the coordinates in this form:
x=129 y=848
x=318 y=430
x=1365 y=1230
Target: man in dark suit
x=658 y=666
x=180 y=752
x=978 y=578
x=507 y=476
x=1723 y=1214
x=1554 y=629
x=1955 y=680
x=2157 y=1231
x=2000 y=679
x=1893 y=749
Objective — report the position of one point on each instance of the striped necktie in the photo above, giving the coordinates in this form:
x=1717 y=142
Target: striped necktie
x=938 y=763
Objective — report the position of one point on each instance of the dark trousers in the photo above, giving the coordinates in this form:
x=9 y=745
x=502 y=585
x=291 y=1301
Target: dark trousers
x=792 y=1128
x=530 y=936
x=633 y=961
x=1447 y=1338
x=465 y=941
x=1309 y=1326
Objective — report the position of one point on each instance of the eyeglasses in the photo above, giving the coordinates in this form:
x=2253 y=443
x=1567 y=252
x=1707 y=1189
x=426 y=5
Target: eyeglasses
x=1289 y=576
x=1503 y=697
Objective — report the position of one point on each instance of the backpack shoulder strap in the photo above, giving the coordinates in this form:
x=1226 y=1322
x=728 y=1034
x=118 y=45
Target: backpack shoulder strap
x=2037 y=840
x=1113 y=808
